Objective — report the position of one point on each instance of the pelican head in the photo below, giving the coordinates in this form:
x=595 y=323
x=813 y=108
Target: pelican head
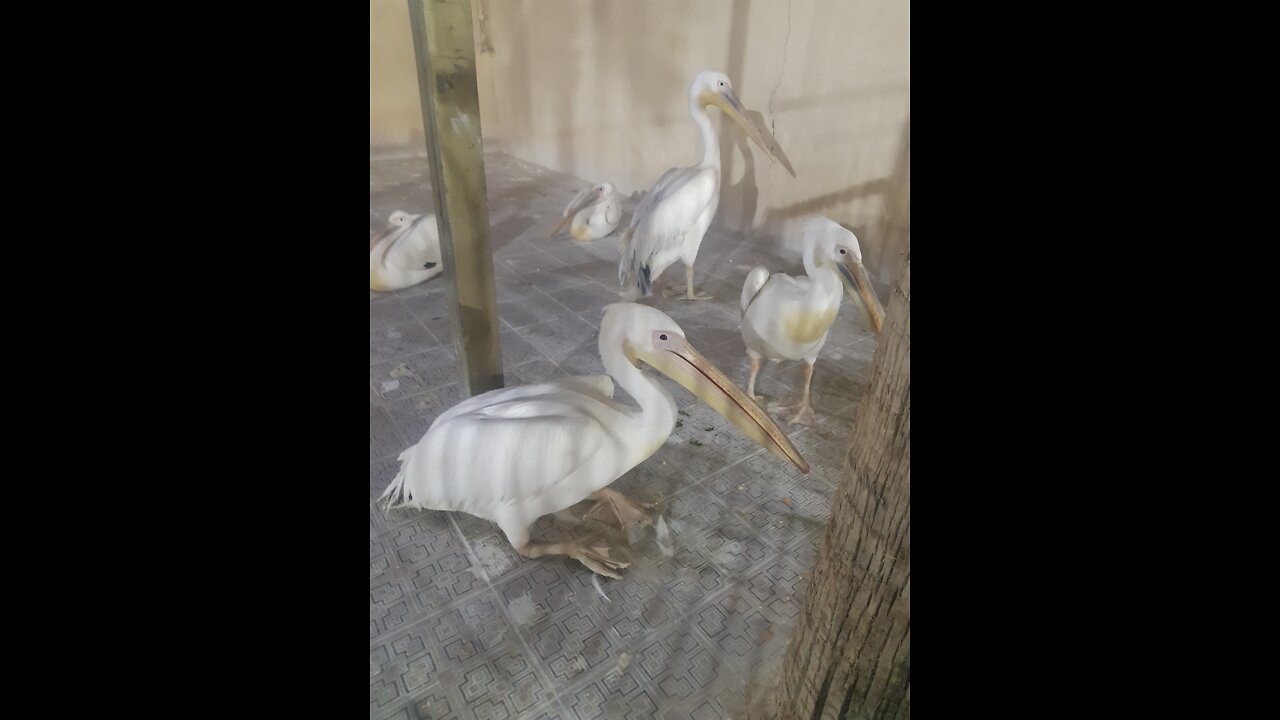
x=713 y=89
x=649 y=335
x=398 y=220
x=838 y=246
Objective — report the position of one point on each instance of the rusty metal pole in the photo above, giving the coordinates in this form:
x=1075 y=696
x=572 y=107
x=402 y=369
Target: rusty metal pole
x=446 y=58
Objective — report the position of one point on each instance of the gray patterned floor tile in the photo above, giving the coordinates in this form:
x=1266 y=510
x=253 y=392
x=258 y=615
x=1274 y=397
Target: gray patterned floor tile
x=737 y=626
x=516 y=350
x=412 y=374
x=561 y=337
x=381 y=473
x=418 y=569
x=530 y=310
x=384 y=439
x=464 y=662
x=585 y=298
x=396 y=341
x=544 y=591
x=632 y=607
x=652 y=481
x=413 y=415
x=532 y=371
x=387 y=311
x=670 y=673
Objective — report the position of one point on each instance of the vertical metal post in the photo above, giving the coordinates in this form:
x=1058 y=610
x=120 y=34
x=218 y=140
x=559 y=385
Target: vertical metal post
x=446 y=59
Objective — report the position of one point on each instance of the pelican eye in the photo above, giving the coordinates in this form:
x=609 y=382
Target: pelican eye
x=662 y=337
x=842 y=252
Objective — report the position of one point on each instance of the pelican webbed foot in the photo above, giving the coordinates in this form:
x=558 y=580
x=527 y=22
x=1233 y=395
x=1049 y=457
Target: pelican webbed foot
x=614 y=508
x=799 y=414
x=695 y=296
x=596 y=558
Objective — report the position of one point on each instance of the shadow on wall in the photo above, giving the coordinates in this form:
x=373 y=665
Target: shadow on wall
x=660 y=75
x=885 y=239
x=567 y=85
x=738 y=202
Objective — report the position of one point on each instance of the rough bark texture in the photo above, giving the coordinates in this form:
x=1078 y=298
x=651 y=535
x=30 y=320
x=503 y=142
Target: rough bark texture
x=851 y=653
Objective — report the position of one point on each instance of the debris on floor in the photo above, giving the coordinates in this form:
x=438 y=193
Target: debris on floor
x=595 y=580
x=664 y=538
x=523 y=610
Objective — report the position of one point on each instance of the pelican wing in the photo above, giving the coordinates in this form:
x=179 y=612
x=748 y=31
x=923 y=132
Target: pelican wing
x=782 y=289
x=782 y=320
x=515 y=445
x=663 y=217
x=597 y=387
x=756 y=279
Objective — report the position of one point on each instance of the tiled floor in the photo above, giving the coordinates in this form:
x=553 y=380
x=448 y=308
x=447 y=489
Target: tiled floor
x=460 y=626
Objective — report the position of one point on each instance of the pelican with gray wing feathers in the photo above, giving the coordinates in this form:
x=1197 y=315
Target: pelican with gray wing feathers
x=673 y=217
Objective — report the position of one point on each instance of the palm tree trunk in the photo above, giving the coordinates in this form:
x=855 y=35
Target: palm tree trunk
x=850 y=656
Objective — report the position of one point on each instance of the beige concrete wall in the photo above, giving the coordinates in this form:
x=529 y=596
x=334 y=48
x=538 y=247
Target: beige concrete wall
x=598 y=89
x=395 y=111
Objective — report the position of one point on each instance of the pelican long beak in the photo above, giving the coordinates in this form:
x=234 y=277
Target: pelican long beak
x=373 y=241
x=729 y=104
x=860 y=290
x=689 y=368
x=587 y=201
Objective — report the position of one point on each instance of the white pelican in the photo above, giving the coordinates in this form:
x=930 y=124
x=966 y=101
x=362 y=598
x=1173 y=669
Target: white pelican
x=672 y=218
x=515 y=454
x=595 y=213
x=406 y=253
x=786 y=318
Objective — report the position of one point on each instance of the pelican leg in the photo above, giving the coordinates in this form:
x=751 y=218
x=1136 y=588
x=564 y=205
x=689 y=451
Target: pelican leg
x=751 y=382
x=595 y=558
x=803 y=410
x=691 y=294
x=624 y=510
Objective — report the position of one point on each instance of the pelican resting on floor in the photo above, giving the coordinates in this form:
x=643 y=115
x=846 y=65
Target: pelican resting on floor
x=786 y=318
x=406 y=253
x=515 y=454
x=671 y=220
x=595 y=213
